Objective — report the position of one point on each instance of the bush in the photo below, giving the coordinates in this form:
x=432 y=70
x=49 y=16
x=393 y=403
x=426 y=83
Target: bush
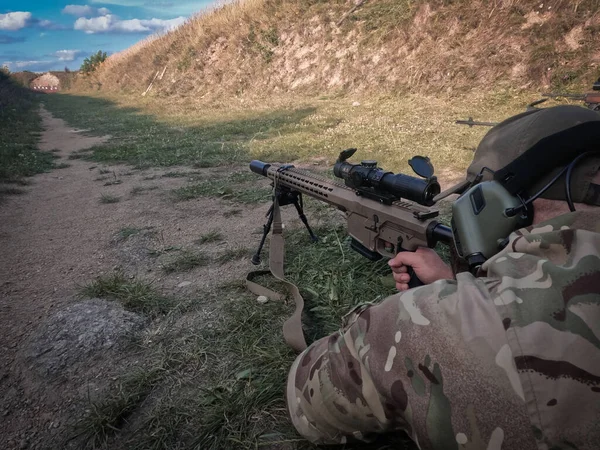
x=91 y=63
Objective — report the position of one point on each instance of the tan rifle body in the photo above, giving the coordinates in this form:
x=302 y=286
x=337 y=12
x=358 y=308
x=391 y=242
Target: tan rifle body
x=383 y=229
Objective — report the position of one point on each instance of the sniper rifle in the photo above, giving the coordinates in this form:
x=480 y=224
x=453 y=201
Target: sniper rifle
x=386 y=213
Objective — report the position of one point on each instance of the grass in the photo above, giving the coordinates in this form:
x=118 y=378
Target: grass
x=108 y=198
x=140 y=189
x=135 y=295
x=9 y=190
x=232 y=213
x=186 y=261
x=219 y=382
x=235 y=253
x=233 y=187
x=127 y=232
x=19 y=133
x=210 y=237
x=389 y=129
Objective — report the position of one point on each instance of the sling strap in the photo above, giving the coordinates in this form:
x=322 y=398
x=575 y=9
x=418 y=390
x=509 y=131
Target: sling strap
x=292 y=328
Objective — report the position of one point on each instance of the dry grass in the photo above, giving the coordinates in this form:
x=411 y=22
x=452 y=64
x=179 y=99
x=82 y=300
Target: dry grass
x=247 y=48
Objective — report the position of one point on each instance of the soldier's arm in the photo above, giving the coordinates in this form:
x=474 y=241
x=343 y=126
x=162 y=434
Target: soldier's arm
x=425 y=361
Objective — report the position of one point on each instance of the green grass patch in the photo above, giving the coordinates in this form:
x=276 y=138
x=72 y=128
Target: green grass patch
x=232 y=213
x=20 y=125
x=210 y=237
x=232 y=187
x=186 y=261
x=8 y=190
x=235 y=253
x=127 y=232
x=135 y=295
x=141 y=189
x=77 y=156
x=108 y=415
x=108 y=198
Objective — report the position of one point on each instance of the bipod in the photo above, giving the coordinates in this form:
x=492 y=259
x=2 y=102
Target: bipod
x=284 y=197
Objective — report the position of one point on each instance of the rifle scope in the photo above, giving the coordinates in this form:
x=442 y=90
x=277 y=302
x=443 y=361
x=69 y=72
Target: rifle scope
x=366 y=176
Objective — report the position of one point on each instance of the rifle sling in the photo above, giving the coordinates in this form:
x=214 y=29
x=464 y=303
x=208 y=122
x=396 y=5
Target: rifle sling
x=292 y=328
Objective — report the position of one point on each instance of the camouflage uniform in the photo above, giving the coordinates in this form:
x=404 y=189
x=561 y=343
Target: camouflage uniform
x=510 y=360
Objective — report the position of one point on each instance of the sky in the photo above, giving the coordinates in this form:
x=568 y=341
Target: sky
x=42 y=35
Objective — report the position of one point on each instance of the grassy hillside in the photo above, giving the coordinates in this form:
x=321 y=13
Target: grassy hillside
x=333 y=46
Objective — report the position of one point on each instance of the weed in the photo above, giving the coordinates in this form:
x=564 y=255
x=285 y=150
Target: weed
x=104 y=171
x=62 y=166
x=186 y=261
x=19 y=127
x=232 y=212
x=108 y=198
x=113 y=182
x=234 y=253
x=211 y=236
x=107 y=416
x=55 y=150
x=127 y=232
x=177 y=174
x=77 y=156
x=135 y=295
x=230 y=188
x=139 y=189
x=6 y=190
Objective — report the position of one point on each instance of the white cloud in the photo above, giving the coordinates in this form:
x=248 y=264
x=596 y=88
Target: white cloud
x=112 y=24
x=84 y=11
x=35 y=65
x=14 y=20
x=67 y=55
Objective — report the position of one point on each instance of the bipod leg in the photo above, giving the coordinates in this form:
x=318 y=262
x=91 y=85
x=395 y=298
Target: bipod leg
x=266 y=228
x=297 y=201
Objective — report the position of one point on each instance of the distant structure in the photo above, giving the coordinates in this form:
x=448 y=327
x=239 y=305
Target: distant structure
x=46 y=82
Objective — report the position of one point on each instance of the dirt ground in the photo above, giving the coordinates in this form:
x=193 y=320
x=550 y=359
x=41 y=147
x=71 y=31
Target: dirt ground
x=59 y=236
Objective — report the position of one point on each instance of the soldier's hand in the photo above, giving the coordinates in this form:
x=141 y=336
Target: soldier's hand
x=426 y=263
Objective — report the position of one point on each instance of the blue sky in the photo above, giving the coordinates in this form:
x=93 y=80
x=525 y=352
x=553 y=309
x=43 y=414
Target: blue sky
x=41 y=35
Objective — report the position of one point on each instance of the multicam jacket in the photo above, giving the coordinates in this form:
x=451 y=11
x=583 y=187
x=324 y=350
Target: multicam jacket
x=506 y=361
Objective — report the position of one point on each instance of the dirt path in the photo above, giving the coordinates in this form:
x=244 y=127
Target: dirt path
x=60 y=236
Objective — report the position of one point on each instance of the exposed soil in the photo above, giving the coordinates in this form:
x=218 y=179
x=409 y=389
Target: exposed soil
x=59 y=236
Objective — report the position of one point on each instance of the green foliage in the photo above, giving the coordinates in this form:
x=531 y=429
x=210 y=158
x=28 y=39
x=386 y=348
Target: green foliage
x=91 y=63
x=19 y=132
x=135 y=295
x=186 y=261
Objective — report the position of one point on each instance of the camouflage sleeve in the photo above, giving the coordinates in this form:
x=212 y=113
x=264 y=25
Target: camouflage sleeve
x=509 y=361
x=432 y=361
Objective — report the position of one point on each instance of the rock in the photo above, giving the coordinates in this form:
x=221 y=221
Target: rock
x=74 y=334
x=184 y=284
x=262 y=299
x=355 y=103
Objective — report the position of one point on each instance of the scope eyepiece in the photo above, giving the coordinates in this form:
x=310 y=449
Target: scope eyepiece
x=367 y=178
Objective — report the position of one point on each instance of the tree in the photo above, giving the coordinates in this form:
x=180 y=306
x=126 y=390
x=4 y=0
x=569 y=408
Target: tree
x=67 y=70
x=91 y=63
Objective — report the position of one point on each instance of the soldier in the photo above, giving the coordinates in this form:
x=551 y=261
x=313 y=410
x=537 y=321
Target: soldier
x=509 y=359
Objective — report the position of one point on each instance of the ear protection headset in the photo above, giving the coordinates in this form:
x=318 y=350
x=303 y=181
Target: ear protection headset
x=488 y=211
